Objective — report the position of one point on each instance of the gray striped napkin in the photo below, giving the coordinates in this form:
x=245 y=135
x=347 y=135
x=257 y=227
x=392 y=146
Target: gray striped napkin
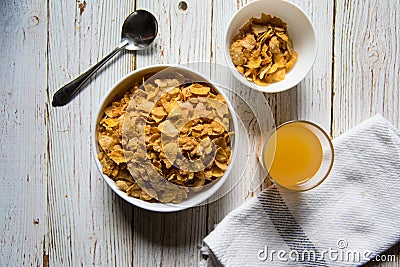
x=348 y=220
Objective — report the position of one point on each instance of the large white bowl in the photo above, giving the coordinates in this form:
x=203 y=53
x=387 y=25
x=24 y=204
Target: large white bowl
x=116 y=92
x=300 y=29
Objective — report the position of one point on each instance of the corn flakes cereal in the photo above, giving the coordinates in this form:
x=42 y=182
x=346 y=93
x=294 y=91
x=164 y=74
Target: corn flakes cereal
x=152 y=149
x=262 y=50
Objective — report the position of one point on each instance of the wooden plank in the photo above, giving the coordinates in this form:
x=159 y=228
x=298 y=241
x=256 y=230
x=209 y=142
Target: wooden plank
x=184 y=36
x=366 y=69
x=218 y=209
x=23 y=136
x=310 y=100
x=87 y=223
x=367 y=63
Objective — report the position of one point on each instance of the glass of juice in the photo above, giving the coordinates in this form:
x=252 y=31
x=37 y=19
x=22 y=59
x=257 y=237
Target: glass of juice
x=298 y=155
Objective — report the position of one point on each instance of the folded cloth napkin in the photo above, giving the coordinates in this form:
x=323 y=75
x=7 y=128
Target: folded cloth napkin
x=353 y=216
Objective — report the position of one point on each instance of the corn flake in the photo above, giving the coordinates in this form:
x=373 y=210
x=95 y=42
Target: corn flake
x=263 y=51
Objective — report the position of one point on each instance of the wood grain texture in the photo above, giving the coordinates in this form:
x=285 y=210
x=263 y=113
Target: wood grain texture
x=56 y=210
x=23 y=132
x=86 y=221
x=366 y=69
x=367 y=63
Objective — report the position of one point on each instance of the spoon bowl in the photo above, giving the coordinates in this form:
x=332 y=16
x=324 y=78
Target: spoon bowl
x=139 y=30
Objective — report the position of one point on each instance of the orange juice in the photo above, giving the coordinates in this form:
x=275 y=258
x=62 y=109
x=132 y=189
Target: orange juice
x=297 y=157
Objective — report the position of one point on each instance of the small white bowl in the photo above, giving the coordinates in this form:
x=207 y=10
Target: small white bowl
x=300 y=29
x=116 y=92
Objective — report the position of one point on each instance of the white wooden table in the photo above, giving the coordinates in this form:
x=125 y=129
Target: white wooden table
x=56 y=210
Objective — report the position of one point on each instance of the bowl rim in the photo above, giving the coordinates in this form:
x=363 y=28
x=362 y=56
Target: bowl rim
x=161 y=207
x=252 y=85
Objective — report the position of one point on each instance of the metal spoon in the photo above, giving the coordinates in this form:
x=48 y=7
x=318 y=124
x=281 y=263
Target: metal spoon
x=138 y=32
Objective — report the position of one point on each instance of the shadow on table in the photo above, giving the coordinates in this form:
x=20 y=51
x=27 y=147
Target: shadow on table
x=162 y=230
x=153 y=232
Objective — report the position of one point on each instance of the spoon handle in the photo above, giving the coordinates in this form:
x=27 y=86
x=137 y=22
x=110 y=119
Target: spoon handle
x=66 y=93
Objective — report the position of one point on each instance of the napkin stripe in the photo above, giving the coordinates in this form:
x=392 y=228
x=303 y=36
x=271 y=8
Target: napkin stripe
x=287 y=226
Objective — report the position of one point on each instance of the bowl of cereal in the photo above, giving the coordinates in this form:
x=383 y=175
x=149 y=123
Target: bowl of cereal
x=270 y=45
x=164 y=138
